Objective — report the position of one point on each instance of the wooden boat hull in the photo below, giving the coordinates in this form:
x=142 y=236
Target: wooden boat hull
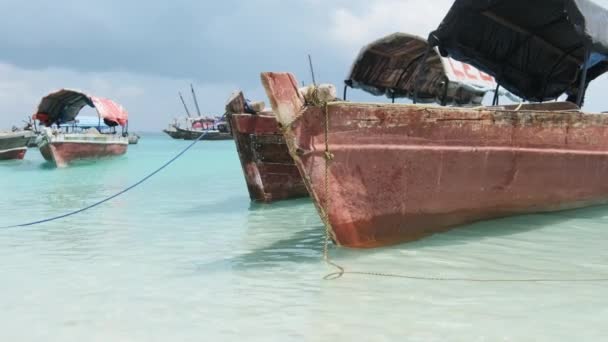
x=270 y=172
x=133 y=139
x=63 y=151
x=195 y=134
x=15 y=153
x=402 y=172
x=14 y=145
x=173 y=133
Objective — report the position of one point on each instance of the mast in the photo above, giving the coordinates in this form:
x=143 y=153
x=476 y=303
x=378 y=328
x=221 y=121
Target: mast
x=184 y=103
x=312 y=71
x=195 y=101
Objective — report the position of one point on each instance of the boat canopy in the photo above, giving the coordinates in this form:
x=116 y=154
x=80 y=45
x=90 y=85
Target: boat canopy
x=64 y=105
x=537 y=49
x=86 y=122
x=390 y=66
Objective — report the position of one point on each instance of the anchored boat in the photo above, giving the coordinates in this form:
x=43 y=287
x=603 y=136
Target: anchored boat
x=64 y=139
x=13 y=145
x=270 y=172
x=385 y=174
x=200 y=127
x=192 y=128
x=133 y=138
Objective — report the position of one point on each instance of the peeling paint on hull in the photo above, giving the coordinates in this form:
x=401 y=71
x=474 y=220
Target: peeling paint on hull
x=270 y=172
x=403 y=172
x=62 y=153
x=15 y=153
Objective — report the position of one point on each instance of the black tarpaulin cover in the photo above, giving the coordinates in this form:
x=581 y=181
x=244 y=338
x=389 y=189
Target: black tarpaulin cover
x=534 y=48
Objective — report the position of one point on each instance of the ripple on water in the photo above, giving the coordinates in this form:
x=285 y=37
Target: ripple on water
x=187 y=257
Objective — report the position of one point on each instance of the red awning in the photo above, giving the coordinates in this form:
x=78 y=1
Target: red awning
x=110 y=110
x=65 y=104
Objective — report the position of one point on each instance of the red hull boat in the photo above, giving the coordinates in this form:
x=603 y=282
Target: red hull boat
x=13 y=154
x=401 y=172
x=384 y=174
x=13 y=145
x=66 y=148
x=85 y=141
x=270 y=172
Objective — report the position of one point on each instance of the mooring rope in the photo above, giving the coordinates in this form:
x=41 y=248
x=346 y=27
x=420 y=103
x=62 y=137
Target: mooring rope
x=54 y=218
x=341 y=270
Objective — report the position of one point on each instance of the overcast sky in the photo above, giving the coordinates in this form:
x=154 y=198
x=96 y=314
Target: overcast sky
x=141 y=53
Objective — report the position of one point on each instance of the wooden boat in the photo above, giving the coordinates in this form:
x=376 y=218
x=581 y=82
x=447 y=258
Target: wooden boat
x=133 y=138
x=61 y=146
x=191 y=128
x=270 y=172
x=209 y=134
x=13 y=145
x=33 y=140
x=198 y=127
x=172 y=132
x=385 y=174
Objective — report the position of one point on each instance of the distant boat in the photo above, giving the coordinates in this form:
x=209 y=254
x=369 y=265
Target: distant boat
x=191 y=128
x=133 y=138
x=65 y=138
x=13 y=145
x=270 y=172
x=172 y=132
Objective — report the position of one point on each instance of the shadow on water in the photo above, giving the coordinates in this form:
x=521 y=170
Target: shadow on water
x=305 y=243
x=226 y=205
x=110 y=161
x=475 y=232
x=512 y=225
x=279 y=233
x=47 y=165
x=257 y=206
x=304 y=246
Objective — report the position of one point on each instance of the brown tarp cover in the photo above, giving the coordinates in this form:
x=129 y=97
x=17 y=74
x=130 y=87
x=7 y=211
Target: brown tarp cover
x=64 y=105
x=389 y=66
x=535 y=49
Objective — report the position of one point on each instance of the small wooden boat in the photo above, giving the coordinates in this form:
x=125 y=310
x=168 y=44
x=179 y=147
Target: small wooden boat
x=207 y=134
x=270 y=172
x=192 y=128
x=61 y=146
x=385 y=174
x=13 y=145
x=33 y=141
x=172 y=132
x=133 y=138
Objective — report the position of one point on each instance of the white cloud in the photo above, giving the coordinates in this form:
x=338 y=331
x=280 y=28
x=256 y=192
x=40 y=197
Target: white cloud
x=355 y=28
x=151 y=101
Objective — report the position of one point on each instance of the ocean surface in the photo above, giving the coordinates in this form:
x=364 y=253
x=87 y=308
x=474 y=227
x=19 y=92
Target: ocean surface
x=187 y=257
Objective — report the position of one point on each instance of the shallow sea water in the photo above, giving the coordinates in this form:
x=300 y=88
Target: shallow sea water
x=187 y=257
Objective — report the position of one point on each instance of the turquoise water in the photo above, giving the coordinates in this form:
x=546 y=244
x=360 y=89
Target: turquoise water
x=186 y=257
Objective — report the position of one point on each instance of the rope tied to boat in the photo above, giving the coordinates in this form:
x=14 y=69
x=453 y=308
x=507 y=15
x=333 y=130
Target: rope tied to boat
x=131 y=187
x=341 y=271
x=328 y=232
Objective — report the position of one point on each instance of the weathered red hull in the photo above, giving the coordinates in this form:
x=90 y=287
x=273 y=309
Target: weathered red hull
x=62 y=153
x=16 y=153
x=402 y=172
x=269 y=170
x=13 y=145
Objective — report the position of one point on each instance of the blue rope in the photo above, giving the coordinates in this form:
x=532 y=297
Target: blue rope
x=111 y=197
